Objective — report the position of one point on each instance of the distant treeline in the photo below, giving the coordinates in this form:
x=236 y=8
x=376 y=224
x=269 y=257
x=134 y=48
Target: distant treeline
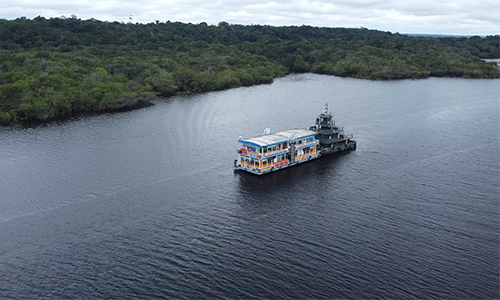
x=55 y=67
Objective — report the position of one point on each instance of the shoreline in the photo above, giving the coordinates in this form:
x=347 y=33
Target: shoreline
x=139 y=104
x=78 y=114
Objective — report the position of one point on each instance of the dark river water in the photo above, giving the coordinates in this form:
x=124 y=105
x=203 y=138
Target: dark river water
x=145 y=204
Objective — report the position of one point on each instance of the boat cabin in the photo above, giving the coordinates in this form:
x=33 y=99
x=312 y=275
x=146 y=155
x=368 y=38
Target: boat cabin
x=270 y=152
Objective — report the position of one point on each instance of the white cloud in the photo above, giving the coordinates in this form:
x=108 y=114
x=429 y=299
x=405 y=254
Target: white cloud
x=423 y=16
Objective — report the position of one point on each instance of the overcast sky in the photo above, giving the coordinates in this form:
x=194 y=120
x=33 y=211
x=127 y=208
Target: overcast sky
x=458 y=17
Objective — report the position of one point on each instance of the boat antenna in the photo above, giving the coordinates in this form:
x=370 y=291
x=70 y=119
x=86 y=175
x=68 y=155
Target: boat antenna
x=326 y=107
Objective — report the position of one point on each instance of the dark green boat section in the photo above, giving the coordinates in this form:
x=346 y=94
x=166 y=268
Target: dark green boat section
x=332 y=139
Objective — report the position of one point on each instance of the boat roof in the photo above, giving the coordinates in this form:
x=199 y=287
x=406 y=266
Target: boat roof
x=278 y=137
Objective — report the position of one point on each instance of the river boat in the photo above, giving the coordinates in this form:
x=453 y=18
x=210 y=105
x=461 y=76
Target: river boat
x=275 y=151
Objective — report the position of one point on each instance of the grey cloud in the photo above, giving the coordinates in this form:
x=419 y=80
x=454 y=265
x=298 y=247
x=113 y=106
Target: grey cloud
x=423 y=16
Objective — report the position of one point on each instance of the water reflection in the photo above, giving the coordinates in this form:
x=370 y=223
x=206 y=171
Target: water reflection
x=313 y=173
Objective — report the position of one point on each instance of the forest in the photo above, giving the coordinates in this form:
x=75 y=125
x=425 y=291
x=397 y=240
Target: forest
x=58 y=67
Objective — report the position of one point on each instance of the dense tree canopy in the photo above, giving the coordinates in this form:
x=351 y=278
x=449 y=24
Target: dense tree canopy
x=58 y=66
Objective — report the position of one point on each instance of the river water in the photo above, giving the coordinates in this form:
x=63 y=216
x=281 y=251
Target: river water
x=145 y=203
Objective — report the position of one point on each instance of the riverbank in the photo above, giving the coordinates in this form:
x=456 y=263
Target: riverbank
x=51 y=68
x=45 y=84
x=146 y=100
x=75 y=115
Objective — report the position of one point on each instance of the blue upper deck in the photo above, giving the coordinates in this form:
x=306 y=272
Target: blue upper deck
x=279 y=137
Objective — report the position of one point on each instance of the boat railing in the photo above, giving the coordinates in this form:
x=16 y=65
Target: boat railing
x=308 y=144
x=277 y=152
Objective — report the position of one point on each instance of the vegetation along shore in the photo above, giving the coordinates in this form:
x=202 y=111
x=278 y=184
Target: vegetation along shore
x=52 y=68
